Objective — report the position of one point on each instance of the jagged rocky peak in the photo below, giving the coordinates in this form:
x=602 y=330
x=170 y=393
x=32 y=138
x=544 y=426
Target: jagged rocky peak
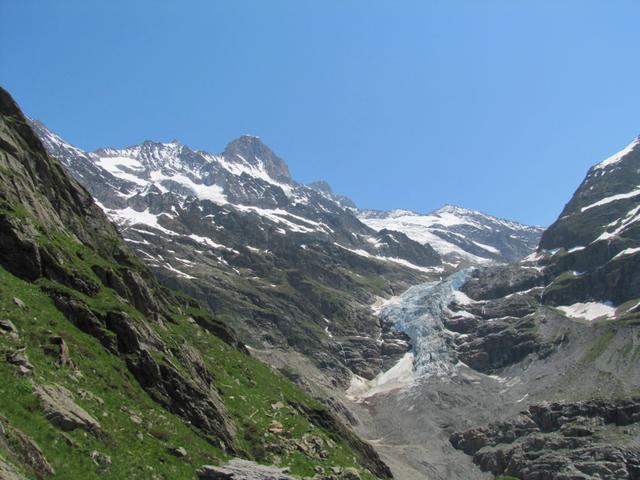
x=250 y=149
x=323 y=187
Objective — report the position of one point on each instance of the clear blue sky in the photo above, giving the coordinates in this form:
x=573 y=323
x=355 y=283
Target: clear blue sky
x=494 y=105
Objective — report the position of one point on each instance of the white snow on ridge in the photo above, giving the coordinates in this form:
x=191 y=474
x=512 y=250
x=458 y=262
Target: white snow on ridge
x=489 y=248
x=612 y=198
x=632 y=216
x=588 y=311
x=423 y=229
x=462 y=299
x=292 y=222
x=627 y=251
x=213 y=193
x=613 y=159
x=242 y=166
x=400 y=261
x=129 y=216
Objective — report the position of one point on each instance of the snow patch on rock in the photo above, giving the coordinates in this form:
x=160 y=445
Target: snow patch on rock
x=588 y=311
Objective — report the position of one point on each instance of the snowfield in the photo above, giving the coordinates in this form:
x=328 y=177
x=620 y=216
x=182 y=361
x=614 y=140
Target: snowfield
x=588 y=311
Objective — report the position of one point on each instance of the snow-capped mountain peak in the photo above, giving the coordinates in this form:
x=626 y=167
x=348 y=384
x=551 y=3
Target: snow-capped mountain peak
x=250 y=150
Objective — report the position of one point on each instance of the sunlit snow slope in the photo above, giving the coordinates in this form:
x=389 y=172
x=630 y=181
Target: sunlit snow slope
x=460 y=235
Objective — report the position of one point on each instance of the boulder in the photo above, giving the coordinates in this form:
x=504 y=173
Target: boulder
x=276 y=427
x=60 y=409
x=7 y=327
x=19 y=359
x=23 y=448
x=350 y=474
x=60 y=350
x=179 y=452
x=210 y=472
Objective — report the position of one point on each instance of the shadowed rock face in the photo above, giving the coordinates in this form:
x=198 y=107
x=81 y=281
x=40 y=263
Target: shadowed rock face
x=252 y=149
x=560 y=441
x=52 y=202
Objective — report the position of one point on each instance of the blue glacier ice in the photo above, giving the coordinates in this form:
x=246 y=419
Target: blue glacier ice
x=419 y=312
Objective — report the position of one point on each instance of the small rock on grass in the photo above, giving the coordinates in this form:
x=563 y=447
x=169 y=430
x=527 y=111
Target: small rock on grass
x=179 y=452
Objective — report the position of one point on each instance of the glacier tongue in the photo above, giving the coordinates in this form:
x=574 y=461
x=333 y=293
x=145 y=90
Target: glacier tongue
x=419 y=313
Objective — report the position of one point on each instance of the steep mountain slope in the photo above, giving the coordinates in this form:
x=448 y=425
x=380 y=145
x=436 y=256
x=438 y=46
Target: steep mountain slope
x=569 y=313
x=460 y=236
x=543 y=351
x=597 y=237
x=289 y=265
x=114 y=376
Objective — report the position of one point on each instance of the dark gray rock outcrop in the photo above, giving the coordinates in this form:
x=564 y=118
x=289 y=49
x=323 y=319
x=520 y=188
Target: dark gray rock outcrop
x=555 y=441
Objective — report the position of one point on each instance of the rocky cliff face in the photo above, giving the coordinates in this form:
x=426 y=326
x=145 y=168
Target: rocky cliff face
x=573 y=307
x=585 y=440
x=597 y=235
x=107 y=374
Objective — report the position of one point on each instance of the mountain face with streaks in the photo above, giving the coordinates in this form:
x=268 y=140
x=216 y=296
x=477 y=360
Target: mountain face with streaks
x=597 y=235
x=289 y=265
x=461 y=236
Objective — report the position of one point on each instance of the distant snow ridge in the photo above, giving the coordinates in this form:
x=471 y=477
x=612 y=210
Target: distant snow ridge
x=419 y=313
x=460 y=235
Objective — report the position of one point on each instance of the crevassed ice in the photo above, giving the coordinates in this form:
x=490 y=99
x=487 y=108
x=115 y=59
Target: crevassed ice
x=419 y=312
